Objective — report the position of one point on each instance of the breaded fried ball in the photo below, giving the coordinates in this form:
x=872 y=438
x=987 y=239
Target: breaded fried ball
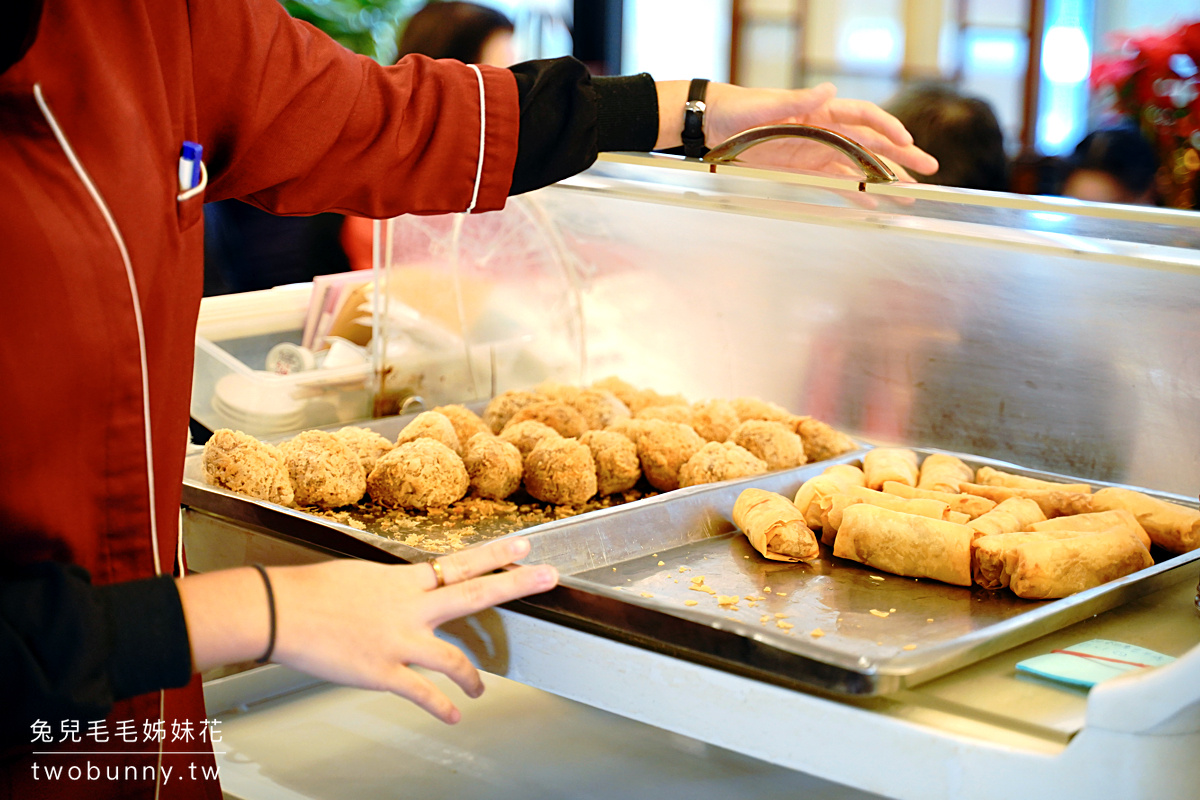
x=624 y=391
x=664 y=447
x=560 y=416
x=367 y=444
x=553 y=390
x=240 y=463
x=324 y=471
x=648 y=397
x=671 y=413
x=753 y=408
x=714 y=420
x=561 y=471
x=431 y=425
x=528 y=435
x=599 y=407
x=773 y=442
x=420 y=474
x=720 y=461
x=822 y=441
x=465 y=421
x=617 y=465
x=630 y=428
x=493 y=465
x=501 y=407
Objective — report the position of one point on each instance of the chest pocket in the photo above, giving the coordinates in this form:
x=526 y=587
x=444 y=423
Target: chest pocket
x=189 y=205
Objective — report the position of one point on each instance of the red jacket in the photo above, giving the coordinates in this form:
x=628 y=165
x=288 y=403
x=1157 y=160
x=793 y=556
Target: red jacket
x=102 y=263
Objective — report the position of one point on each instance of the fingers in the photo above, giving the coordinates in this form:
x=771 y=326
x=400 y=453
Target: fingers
x=450 y=661
x=869 y=115
x=466 y=564
x=404 y=682
x=459 y=599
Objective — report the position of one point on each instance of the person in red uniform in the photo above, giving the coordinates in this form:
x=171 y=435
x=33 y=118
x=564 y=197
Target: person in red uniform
x=101 y=252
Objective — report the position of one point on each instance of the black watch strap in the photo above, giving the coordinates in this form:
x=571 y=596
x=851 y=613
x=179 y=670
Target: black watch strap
x=693 y=119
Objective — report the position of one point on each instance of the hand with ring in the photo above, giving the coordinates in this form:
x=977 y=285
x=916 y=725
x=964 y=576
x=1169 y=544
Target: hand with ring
x=364 y=624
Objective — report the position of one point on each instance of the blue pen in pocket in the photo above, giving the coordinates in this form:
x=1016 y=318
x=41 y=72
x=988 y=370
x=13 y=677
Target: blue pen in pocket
x=189 y=165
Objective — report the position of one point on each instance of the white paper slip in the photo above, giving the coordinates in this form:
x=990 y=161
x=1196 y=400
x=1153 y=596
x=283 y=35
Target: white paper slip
x=1091 y=662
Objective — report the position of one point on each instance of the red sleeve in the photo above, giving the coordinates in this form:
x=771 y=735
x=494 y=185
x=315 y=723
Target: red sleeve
x=294 y=123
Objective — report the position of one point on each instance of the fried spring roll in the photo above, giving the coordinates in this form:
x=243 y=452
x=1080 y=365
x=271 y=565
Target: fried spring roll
x=1048 y=569
x=1096 y=521
x=994 y=477
x=1170 y=526
x=774 y=526
x=993 y=557
x=1012 y=515
x=834 y=506
x=1053 y=503
x=836 y=479
x=971 y=505
x=890 y=464
x=943 y=473
x=906 y=544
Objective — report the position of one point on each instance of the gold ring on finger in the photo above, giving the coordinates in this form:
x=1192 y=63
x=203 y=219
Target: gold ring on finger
x=437 y=573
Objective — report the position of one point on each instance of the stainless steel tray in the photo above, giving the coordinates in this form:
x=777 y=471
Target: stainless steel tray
x=371 y=532
x=627 y=572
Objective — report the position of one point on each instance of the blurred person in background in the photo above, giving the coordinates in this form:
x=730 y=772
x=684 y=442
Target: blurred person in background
x=466 y=32
x=1112 y=165
x=961 y=132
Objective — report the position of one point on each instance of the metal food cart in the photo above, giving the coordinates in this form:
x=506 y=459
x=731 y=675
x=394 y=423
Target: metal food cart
x=1057 y=337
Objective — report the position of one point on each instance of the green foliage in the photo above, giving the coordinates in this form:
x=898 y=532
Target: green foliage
x=365 y=26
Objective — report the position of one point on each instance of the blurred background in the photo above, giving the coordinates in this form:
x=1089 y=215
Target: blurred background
x=1093 y=99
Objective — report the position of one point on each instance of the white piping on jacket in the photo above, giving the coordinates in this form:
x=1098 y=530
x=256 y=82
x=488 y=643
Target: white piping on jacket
x=482 y=136
x=137 y=306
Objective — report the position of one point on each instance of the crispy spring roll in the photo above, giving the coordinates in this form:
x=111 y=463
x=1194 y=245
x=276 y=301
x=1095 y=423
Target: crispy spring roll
x=1172 y=527
x=1096 y=521
x=993 y=557
x=906 y=544
x=970 y=504
x=1012 y=515
x=994 y=477
x=890 y=464
x=774 y=526
x=834 y=506
x=1053 y=503
x=1048 y=569
x=943 y=473
x=837 y=478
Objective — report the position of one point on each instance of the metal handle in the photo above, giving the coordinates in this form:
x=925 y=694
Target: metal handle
x=872 y=166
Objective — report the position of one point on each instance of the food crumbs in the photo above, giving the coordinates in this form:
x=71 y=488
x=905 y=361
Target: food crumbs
x=816 y=633
x=784 y=625
x=690 y=602
x=614 y=569
x=698 y=579
x=647 y=594
x=728 y=599
x=910 y=647
x=875 y=577
x=767 y=589
x=683 y=569
x=929 y=620
x=764 y=618
x=654 y=554
x=700 y=587
x=661 y=564
x=891 y=611
x=781 y=594
x=745 y=556
x=879 y=613
x=781 y=616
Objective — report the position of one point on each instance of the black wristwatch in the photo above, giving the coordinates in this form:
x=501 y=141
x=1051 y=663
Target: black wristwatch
x=693 y=119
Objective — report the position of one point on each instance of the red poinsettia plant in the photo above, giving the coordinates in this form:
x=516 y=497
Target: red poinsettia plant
x=1155 y=81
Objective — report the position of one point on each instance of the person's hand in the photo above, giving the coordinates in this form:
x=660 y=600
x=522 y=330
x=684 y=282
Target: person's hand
x=733 y=109
x=356 y=622
x=363 y=624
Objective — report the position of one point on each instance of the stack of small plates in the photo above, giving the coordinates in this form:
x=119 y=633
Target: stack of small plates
x=257 y=405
